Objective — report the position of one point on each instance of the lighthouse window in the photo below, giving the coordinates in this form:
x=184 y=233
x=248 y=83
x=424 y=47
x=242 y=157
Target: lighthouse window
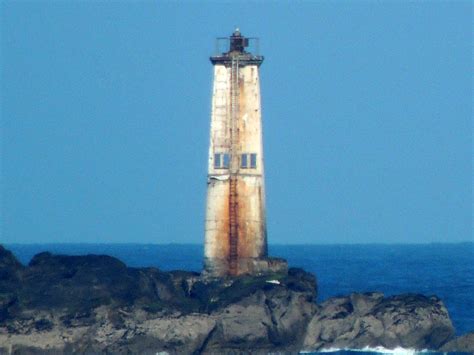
x=221 y=161
x=243 y=161
x=226 y=161
x=248 y=161
x=217 y=161
x=253 y=161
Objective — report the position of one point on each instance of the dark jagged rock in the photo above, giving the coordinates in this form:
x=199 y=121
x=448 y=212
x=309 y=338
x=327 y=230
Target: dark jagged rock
x=10 y=271
x=94 y=303
x=10 y=278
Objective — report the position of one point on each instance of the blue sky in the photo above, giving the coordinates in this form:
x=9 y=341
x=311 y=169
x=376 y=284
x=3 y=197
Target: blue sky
x=367 y=110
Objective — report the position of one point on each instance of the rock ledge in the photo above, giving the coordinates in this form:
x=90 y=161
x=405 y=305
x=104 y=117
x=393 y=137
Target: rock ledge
x=95 y=303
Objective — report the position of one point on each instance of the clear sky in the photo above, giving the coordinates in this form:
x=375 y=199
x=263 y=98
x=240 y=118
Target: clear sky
x=367 y=109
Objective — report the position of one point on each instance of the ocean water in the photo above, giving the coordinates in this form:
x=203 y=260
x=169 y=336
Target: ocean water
x=445 y=270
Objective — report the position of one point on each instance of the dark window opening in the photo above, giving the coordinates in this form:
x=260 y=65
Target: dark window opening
x=243 y=161
x=217 y=161
x=221 y=161
x=253 y=161
x=248 y=161
x=226 y=161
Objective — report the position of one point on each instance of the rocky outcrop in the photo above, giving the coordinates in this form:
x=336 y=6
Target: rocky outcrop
x=95 y=303
x=92 y=304
x=272 y=318
x=464 y=343
x=10 y=274
x=370 y=320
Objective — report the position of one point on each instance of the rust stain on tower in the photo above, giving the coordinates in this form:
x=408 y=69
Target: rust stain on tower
x=236 y=233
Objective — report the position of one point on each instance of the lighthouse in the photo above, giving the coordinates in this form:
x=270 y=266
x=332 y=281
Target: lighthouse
x=235 y=227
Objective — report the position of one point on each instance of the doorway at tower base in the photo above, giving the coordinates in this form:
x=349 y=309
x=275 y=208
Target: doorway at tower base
x=216 y=267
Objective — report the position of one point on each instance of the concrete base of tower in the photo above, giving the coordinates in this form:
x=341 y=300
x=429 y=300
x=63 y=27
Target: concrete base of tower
x=215 y=267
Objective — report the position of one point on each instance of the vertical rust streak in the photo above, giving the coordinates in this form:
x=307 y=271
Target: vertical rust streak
x=234 y=169
x=245 y=234
x=233 y=226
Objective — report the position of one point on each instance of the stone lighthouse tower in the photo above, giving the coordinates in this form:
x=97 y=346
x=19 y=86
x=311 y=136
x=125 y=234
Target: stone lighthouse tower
x=236 y=234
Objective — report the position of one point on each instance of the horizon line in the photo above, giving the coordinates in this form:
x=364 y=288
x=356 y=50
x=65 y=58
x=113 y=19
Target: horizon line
x=272 y=244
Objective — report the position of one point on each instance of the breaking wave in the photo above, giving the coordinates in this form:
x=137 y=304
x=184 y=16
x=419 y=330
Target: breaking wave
x=375 y=350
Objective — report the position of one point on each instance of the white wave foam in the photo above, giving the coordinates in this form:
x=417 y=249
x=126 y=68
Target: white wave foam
x=377 y=349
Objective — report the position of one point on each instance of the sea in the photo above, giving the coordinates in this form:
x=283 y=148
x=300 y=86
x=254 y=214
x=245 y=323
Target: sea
x=445 y=270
